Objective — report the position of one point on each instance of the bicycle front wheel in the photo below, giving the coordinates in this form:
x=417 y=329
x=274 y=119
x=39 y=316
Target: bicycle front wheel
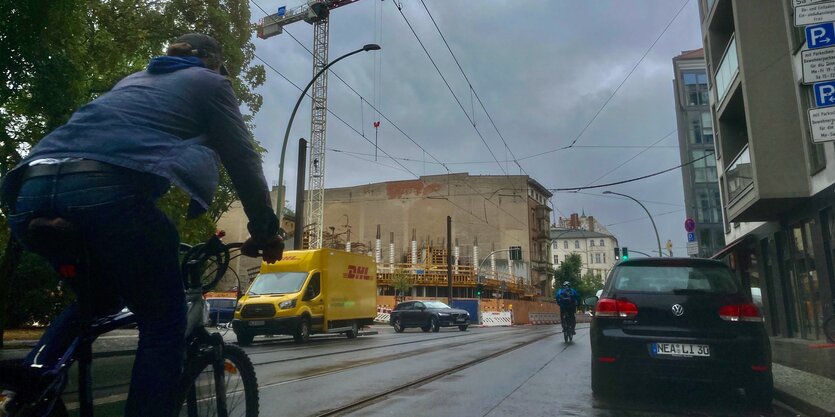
x=240 y=386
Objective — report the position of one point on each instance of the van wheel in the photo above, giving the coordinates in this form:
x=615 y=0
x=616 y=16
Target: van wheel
x=244 y=338
x=302 y=334
x=354 y=332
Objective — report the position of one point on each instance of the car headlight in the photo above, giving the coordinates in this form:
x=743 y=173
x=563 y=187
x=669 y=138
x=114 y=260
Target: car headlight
x=443 y=314
x=287 y=304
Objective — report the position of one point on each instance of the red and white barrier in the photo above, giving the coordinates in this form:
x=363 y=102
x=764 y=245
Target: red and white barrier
x=544 y=318
x=496 y=318
x=383 y=315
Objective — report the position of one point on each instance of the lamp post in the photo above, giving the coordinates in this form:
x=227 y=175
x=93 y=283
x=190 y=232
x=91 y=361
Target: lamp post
x=660 y=254
x=280 y=200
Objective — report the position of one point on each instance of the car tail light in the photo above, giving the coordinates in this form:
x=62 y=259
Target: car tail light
x=606 y=359
x=619 y=309
x=740 y=312
x=759 y=368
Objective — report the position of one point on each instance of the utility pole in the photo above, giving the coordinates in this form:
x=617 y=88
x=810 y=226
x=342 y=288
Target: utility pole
x=449 y=257
x=299 y=232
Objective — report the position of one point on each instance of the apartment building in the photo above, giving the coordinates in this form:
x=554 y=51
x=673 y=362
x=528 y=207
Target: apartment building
x=776 y=185
x=695 y=140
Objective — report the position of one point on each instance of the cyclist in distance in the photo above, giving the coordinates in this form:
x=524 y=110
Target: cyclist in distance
x=104 y=170
x=568 y=299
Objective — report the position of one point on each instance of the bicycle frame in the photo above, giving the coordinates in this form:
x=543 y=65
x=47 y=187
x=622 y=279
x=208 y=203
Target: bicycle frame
x=80 y=349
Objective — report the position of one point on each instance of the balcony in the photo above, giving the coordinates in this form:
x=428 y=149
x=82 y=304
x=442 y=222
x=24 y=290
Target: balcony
x=739 y=175
x=727 y=72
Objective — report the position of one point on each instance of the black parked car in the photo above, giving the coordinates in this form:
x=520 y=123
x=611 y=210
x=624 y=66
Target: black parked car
x=221 y=310
x=428 y=315
x=679 y=319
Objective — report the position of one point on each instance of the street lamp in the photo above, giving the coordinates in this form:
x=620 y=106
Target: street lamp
x=280 y=201
x=649 y=215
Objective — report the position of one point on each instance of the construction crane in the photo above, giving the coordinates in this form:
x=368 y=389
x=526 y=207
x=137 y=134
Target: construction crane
x=315 y=12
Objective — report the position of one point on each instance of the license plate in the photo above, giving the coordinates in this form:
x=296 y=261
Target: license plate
x=256 y=323
x=686 y=350
x=460 y=319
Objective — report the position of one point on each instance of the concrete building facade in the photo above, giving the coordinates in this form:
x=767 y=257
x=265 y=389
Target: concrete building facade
x=777 y=186
x=584 y=236
x=695 y=139
x=404 y=223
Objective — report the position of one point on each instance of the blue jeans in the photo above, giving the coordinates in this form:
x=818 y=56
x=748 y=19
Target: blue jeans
x=135 y=246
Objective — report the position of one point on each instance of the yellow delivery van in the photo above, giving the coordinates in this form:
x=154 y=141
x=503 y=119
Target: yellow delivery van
x=308 y=292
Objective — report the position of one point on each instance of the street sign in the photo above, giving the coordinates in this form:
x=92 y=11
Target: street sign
x=820 y=36
x=822 y=123
x=692 y=248
x=811 y=14
x=818 y=65
x=691 y=237
x=798 y=3
x=824 y=94
x=282 y=10
x=689 y=225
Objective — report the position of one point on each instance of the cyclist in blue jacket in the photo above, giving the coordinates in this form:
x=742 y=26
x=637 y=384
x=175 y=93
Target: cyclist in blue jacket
x=104 y=170
x=568 y=300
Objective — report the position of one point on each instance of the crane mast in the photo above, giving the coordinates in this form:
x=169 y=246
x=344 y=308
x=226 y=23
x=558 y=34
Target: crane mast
x=315 y=12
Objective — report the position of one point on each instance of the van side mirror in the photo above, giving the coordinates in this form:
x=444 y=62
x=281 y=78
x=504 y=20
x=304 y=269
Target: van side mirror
x=590 y=301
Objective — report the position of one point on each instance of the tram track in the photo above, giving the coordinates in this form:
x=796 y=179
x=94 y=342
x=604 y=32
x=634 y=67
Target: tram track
x=375 y=398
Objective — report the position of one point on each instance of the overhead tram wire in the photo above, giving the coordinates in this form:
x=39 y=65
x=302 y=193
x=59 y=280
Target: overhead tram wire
x=472 y=89
x=633 y=157
x=386 y=153
x=586 y=187
x=432 y=60
x=629 y=74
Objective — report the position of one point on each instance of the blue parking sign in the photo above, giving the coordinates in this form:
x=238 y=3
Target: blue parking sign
x=820 y=36
x=691 y=237
x=824 y=94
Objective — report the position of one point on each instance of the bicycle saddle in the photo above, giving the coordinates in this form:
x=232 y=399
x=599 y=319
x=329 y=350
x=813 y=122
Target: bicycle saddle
x=53 y=238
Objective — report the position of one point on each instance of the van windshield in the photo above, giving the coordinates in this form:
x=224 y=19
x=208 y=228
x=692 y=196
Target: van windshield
x=278 y=283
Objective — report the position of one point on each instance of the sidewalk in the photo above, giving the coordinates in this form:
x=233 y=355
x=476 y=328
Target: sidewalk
x=804 y=375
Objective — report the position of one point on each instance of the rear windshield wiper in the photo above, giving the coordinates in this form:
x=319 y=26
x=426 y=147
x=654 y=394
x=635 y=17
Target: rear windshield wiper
x=685 y=291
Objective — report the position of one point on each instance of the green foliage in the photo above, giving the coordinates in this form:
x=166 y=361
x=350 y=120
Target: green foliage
x=589 y=284
x=569 y=270
x=57 y=55
x=38 y=291
x=401 y=281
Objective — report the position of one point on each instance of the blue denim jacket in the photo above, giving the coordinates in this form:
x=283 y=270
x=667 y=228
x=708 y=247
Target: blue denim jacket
x=173 y=120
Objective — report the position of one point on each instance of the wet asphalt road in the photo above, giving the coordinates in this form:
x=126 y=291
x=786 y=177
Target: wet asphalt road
x=528 y=371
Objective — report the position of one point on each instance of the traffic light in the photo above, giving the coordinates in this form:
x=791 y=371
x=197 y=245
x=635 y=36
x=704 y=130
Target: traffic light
x=625 y=255
x=617 y=254
x=479 y=288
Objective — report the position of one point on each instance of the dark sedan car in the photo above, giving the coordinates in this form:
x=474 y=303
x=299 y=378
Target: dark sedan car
x=428 y=315
x=679 y=320
x=221 y=310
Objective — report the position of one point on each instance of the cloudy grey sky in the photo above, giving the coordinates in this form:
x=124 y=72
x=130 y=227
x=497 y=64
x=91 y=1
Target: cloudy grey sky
x=543 y=68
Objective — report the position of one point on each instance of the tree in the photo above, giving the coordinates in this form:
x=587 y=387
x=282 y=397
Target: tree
x=59 y=55
x=402 y=283
x=569 y=270
x=589 y=284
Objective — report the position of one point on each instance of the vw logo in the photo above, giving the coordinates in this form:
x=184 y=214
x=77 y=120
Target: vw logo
x=678 y=310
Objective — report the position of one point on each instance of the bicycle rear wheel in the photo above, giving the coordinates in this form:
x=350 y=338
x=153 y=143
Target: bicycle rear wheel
x=241 y=386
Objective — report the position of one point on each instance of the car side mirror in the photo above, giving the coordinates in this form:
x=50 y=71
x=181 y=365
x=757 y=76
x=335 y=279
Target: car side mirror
x=590 y=301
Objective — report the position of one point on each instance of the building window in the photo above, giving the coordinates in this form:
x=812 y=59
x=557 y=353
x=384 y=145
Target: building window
x=597 y=258
x=602 y=243
x=591 y=243
x=576 y=244
x=704 y=170
x=565 y=244
x=556 y=259
x=604 y=258
x=695 y=86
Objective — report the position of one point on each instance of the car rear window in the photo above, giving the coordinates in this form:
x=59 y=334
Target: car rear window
x=675 y=279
